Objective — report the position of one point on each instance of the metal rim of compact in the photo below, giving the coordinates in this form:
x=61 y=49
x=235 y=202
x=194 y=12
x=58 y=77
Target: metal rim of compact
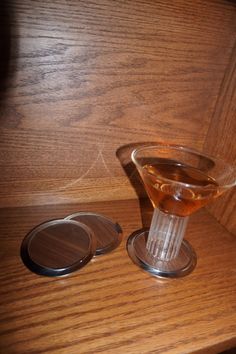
x=183 y=265
x=58 y=247
x=108 y=233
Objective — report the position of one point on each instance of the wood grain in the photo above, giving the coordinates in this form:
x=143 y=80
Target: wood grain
x=84 y=78
x=110 y=306
x=220 y=141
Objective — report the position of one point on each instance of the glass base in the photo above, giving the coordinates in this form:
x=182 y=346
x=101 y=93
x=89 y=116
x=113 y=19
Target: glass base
x=182 y=265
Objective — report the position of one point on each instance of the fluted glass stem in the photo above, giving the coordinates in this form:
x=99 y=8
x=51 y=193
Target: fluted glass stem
x=165 y=235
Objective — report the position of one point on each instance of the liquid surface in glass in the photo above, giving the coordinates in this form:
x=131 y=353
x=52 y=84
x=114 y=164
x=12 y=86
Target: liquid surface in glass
x=174 y=198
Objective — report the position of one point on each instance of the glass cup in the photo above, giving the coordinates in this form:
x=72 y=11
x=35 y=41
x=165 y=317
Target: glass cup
x=178 y=181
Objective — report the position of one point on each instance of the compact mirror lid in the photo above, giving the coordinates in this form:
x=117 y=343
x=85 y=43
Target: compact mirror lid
x=58 y=247
x=108 y=233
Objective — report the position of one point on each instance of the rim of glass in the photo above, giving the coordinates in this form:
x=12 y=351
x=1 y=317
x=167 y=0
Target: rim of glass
x=192 y=151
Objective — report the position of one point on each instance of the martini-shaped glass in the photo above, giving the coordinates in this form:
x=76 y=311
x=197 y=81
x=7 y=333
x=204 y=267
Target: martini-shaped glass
x=178 y=181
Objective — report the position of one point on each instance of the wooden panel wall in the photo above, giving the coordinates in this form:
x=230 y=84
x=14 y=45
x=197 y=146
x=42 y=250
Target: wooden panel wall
x=81 y=79
x=221 y=141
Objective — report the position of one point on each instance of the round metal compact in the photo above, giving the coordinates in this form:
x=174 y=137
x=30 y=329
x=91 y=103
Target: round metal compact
x=108 y=234
x=180 y=266
x=58 y=247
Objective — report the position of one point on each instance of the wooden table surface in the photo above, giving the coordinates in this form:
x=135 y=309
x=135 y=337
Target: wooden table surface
x=111 y=306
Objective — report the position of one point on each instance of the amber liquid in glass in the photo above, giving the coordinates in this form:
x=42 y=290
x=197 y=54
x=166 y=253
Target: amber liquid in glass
x=159 y=178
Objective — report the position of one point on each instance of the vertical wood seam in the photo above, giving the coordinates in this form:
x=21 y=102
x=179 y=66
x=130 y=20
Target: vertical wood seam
x=226 y=81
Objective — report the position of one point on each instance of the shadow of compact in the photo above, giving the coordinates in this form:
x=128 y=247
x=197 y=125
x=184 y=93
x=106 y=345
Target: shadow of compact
x=124 y=156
